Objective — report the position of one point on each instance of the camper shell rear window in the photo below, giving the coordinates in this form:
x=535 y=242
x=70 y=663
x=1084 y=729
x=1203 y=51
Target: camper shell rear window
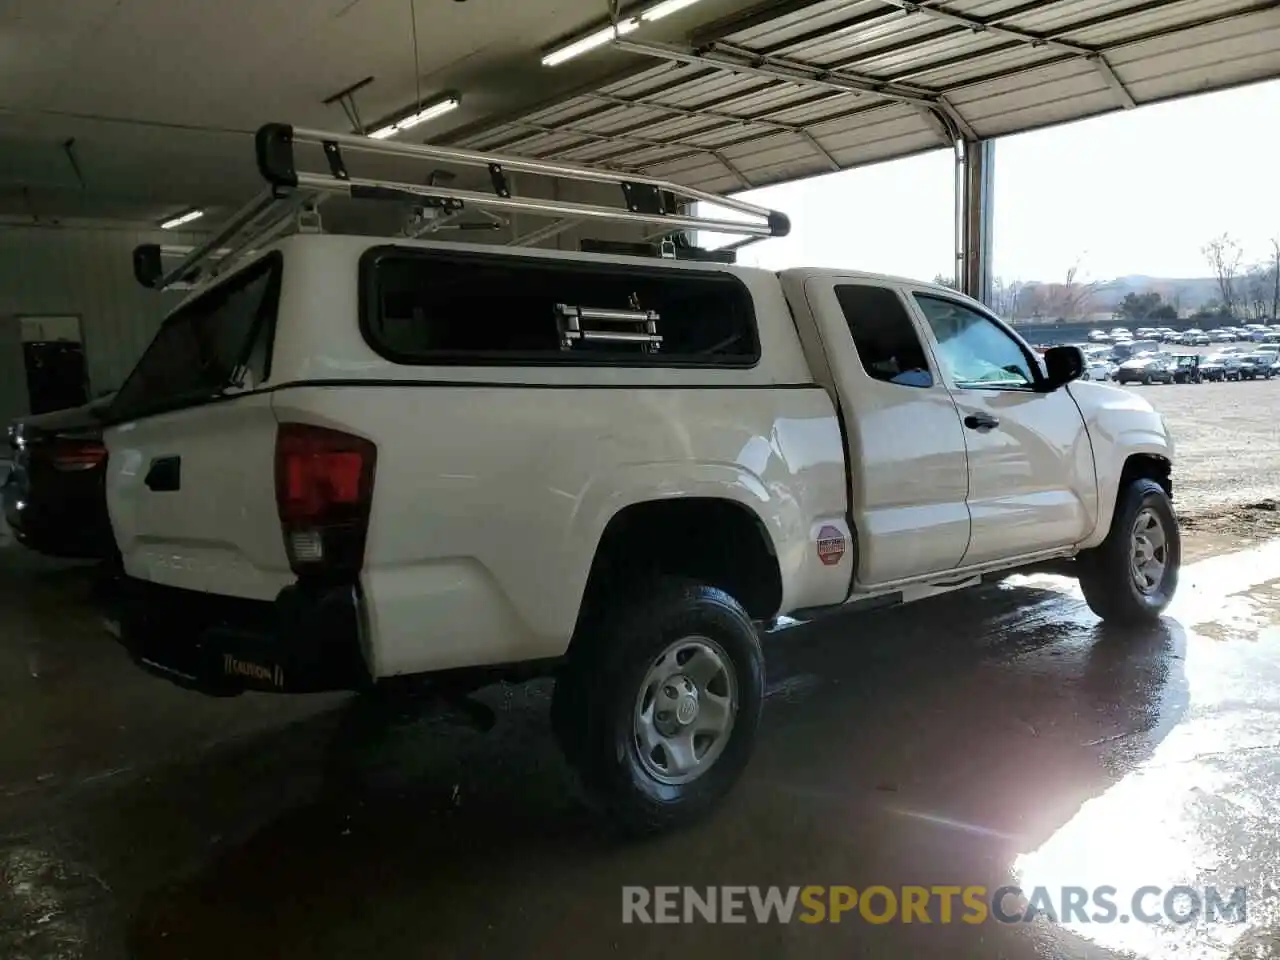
x=222 y=338
x=428 y=307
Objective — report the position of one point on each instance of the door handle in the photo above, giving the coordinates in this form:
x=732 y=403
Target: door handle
x=165 y=475
x=981 y=421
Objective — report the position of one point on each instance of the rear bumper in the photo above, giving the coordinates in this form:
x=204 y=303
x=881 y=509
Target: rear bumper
x=307 y=640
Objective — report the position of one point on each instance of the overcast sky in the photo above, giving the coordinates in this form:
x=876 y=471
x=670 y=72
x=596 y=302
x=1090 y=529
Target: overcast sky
x=1137 y=192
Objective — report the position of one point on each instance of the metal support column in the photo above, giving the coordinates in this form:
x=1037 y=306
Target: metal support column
x=975 y=179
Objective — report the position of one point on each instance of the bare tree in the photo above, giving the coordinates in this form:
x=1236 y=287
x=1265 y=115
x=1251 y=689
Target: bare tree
x=1071 y=299
x=1275 y=279
x=1006 y=298
x=1224 y=255
x=1257 y=287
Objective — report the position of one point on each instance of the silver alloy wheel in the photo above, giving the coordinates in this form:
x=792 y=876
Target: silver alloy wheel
x=685 y=710
x=1149 y=554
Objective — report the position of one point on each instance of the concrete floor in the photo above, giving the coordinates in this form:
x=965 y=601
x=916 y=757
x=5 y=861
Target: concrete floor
x=950 y=742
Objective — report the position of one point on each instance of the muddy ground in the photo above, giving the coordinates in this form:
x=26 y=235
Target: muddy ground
x=1227 y=473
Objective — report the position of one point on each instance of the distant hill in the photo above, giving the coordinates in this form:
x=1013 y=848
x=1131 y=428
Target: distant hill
x=1185 y=293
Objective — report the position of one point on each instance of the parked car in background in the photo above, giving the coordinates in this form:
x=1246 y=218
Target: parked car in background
x=1193 y=336
x=1128 y=349
x=1099 y=336
x=1257 y=366
x=1272 y=337
x=1146 y=369
x=1120 y=332
x=1232 y=366
x=54 y=499
x=1222 y=336
x=1213 y=368
x=1099 y=368
x=1186 y=369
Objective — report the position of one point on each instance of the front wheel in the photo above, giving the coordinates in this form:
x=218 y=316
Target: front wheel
x=659 y=704
x=1132 y=575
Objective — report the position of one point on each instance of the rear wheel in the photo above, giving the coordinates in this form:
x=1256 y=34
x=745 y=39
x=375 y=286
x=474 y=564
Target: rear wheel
x=1131 y=576
x=659 y=704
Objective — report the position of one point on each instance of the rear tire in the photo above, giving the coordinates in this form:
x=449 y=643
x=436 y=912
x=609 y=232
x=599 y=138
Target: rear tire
x=1131 y=577
x=659 y=704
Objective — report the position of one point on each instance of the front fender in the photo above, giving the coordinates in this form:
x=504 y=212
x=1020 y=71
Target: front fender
x=1121 y=425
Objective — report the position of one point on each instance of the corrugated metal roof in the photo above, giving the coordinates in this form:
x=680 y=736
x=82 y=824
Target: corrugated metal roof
x=834 y=84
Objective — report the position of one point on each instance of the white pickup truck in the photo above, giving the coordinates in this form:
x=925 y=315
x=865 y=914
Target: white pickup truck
x=348 y=460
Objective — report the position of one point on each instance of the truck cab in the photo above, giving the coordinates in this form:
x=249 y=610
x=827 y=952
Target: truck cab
x=963 y=451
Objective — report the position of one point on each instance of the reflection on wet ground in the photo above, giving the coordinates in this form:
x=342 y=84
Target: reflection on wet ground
x=984 y=738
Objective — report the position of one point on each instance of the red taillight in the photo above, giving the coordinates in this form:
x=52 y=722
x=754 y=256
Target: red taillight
x=72 y=455
x=324 y=489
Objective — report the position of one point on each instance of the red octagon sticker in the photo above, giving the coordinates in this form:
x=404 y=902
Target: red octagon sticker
x=831 y=545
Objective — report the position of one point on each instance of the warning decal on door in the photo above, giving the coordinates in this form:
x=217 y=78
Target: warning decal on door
x=831 y=545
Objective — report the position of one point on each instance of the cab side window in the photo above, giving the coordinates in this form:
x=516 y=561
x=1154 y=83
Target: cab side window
x=884 y=336
x=974 y=350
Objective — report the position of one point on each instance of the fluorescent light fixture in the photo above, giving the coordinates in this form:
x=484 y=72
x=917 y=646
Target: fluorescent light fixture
x=658 y=11
x=437 y=109
x=590 y=42
x=181 y=218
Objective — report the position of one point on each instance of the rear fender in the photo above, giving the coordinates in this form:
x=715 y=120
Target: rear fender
x=792 y=532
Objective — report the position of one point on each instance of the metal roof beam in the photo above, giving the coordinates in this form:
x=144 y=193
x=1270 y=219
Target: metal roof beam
x=940 y=115
x=727 y=119
x=830 y=31
x=951 y=128
x=993 y=26
x=560 y=153
x=623 y=138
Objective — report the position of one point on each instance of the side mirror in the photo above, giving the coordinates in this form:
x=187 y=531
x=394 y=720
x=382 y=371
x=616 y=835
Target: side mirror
x=147 y=265
x=1062 y=364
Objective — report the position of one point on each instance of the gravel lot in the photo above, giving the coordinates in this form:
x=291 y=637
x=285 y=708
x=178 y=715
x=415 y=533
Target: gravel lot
x=1227 y=474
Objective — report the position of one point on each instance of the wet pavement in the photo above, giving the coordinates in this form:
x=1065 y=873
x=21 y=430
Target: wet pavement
x=989 y=737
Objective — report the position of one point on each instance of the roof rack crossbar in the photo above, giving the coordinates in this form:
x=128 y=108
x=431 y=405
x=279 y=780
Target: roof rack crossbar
x=474 y=158
x=249 y=212
x=643 y=199
x=361 y=188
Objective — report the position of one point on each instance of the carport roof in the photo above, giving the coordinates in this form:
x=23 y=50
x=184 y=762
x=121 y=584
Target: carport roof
x=135 y=109
x=815 y=86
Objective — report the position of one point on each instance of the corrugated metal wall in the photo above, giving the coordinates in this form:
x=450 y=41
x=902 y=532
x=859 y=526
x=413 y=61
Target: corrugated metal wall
x=76 y=271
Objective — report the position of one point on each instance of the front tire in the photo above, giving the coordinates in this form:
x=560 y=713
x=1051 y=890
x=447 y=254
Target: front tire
x=659 y=704
x=1131 y=577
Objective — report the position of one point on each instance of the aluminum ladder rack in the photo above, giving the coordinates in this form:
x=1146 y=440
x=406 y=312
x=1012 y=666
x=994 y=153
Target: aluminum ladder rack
x=293 y=194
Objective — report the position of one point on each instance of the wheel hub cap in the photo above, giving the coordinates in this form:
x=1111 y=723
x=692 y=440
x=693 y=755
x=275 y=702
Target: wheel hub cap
x=685 y=710
x=677 y=705
x=1149 y=553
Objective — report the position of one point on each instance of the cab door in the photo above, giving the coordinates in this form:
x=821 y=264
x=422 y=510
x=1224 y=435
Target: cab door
x=906 y=448
x=1032 y=482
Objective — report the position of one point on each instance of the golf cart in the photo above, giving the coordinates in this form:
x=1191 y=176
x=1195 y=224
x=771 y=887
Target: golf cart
x=1187 y=370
